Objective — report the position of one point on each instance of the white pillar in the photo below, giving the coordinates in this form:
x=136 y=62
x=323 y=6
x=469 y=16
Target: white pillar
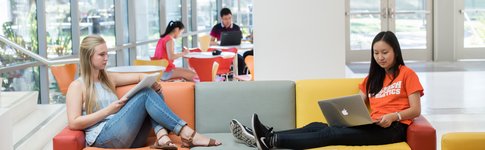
x=302 y=39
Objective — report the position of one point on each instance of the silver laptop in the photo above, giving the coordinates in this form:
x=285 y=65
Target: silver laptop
x=345 y=111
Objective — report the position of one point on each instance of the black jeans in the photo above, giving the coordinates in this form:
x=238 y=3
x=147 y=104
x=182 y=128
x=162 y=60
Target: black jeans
x=318 y=134
x=240 y=65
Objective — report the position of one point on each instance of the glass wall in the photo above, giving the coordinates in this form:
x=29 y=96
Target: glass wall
x=98 y=17
x=147 y=26
x=58 y=26
x=365 y=22
x=174 y=10
x=246 y=15
x=242 y=14
x=474 y=25
x=233 y=6
x=207 y=14
x=18 y=24
x=21 y=80
x=411 y=21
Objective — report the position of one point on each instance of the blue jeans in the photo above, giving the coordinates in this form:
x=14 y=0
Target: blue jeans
x=131 y=125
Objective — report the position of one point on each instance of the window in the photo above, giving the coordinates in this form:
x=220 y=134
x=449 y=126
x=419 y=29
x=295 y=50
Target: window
x=246 y=15
x=174 y=10
x=207 y=14
x=97 y=17
x=410 y=20
x=21 y=80
x=242 y=14
x=411 y=23
x=365 y=23
x=233 y=6
x=58 y=26
x=147 y=26
x=18 y=24
x=474 y=23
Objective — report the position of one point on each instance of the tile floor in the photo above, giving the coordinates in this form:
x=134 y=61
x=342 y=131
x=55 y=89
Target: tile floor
x=454 y=99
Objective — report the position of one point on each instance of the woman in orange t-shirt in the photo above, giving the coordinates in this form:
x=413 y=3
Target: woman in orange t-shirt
x=391 y=89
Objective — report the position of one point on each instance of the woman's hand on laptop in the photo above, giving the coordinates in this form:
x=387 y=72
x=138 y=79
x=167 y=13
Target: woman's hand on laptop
x=386 y=120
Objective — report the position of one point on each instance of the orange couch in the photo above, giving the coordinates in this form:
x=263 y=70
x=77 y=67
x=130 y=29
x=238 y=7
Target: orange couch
x=179 y=96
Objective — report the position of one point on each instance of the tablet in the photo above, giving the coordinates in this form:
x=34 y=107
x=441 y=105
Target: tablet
x=147 y=81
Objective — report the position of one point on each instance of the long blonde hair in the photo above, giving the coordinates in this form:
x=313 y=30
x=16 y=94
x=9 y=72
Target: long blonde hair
x=87 y=50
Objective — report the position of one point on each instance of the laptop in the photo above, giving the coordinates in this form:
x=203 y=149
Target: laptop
x=230 y=38
x=345 y=111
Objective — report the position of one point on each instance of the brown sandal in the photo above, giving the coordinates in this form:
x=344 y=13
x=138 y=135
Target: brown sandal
x=187 y=143
x=166 y=146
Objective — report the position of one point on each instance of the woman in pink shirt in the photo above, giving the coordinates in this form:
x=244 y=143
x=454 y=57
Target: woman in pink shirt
x=165 y=50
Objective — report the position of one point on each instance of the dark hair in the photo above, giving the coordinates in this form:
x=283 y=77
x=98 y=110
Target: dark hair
x=225 y=11
x=377 y=73
x=171 y=26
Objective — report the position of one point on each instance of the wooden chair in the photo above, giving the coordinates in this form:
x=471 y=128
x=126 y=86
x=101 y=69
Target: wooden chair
x=204 y=42
x=250 y=64
x=64 y=75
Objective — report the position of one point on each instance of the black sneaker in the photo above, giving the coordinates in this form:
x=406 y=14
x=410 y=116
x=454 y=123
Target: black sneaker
x=242 y=133
x=261 y=134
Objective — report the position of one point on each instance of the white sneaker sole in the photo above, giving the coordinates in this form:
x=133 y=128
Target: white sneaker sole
x=241 y=135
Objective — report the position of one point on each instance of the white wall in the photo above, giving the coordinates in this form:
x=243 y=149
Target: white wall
x=301 y=39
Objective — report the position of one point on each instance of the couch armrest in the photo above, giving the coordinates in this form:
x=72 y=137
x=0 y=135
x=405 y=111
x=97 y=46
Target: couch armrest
x=421 y=135
x=69 y=139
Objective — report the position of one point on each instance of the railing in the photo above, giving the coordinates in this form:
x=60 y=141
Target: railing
x=36 y=56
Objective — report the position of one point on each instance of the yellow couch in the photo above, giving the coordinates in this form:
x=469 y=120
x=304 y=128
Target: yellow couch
x=309 y=92
x=463 y=140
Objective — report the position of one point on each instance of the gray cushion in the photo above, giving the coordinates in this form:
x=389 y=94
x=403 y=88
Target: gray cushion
x=219 y=102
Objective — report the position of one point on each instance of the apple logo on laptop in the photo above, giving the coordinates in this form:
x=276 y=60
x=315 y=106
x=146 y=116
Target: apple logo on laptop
x=344 y=112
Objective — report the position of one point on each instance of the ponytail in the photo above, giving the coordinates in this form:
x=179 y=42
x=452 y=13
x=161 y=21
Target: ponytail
x=171 y=26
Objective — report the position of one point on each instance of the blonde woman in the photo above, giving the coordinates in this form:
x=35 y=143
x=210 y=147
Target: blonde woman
x=93 y=106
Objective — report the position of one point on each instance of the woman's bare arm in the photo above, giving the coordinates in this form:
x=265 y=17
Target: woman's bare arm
x=121 y=79
x=171 y=51
x=74 y=106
